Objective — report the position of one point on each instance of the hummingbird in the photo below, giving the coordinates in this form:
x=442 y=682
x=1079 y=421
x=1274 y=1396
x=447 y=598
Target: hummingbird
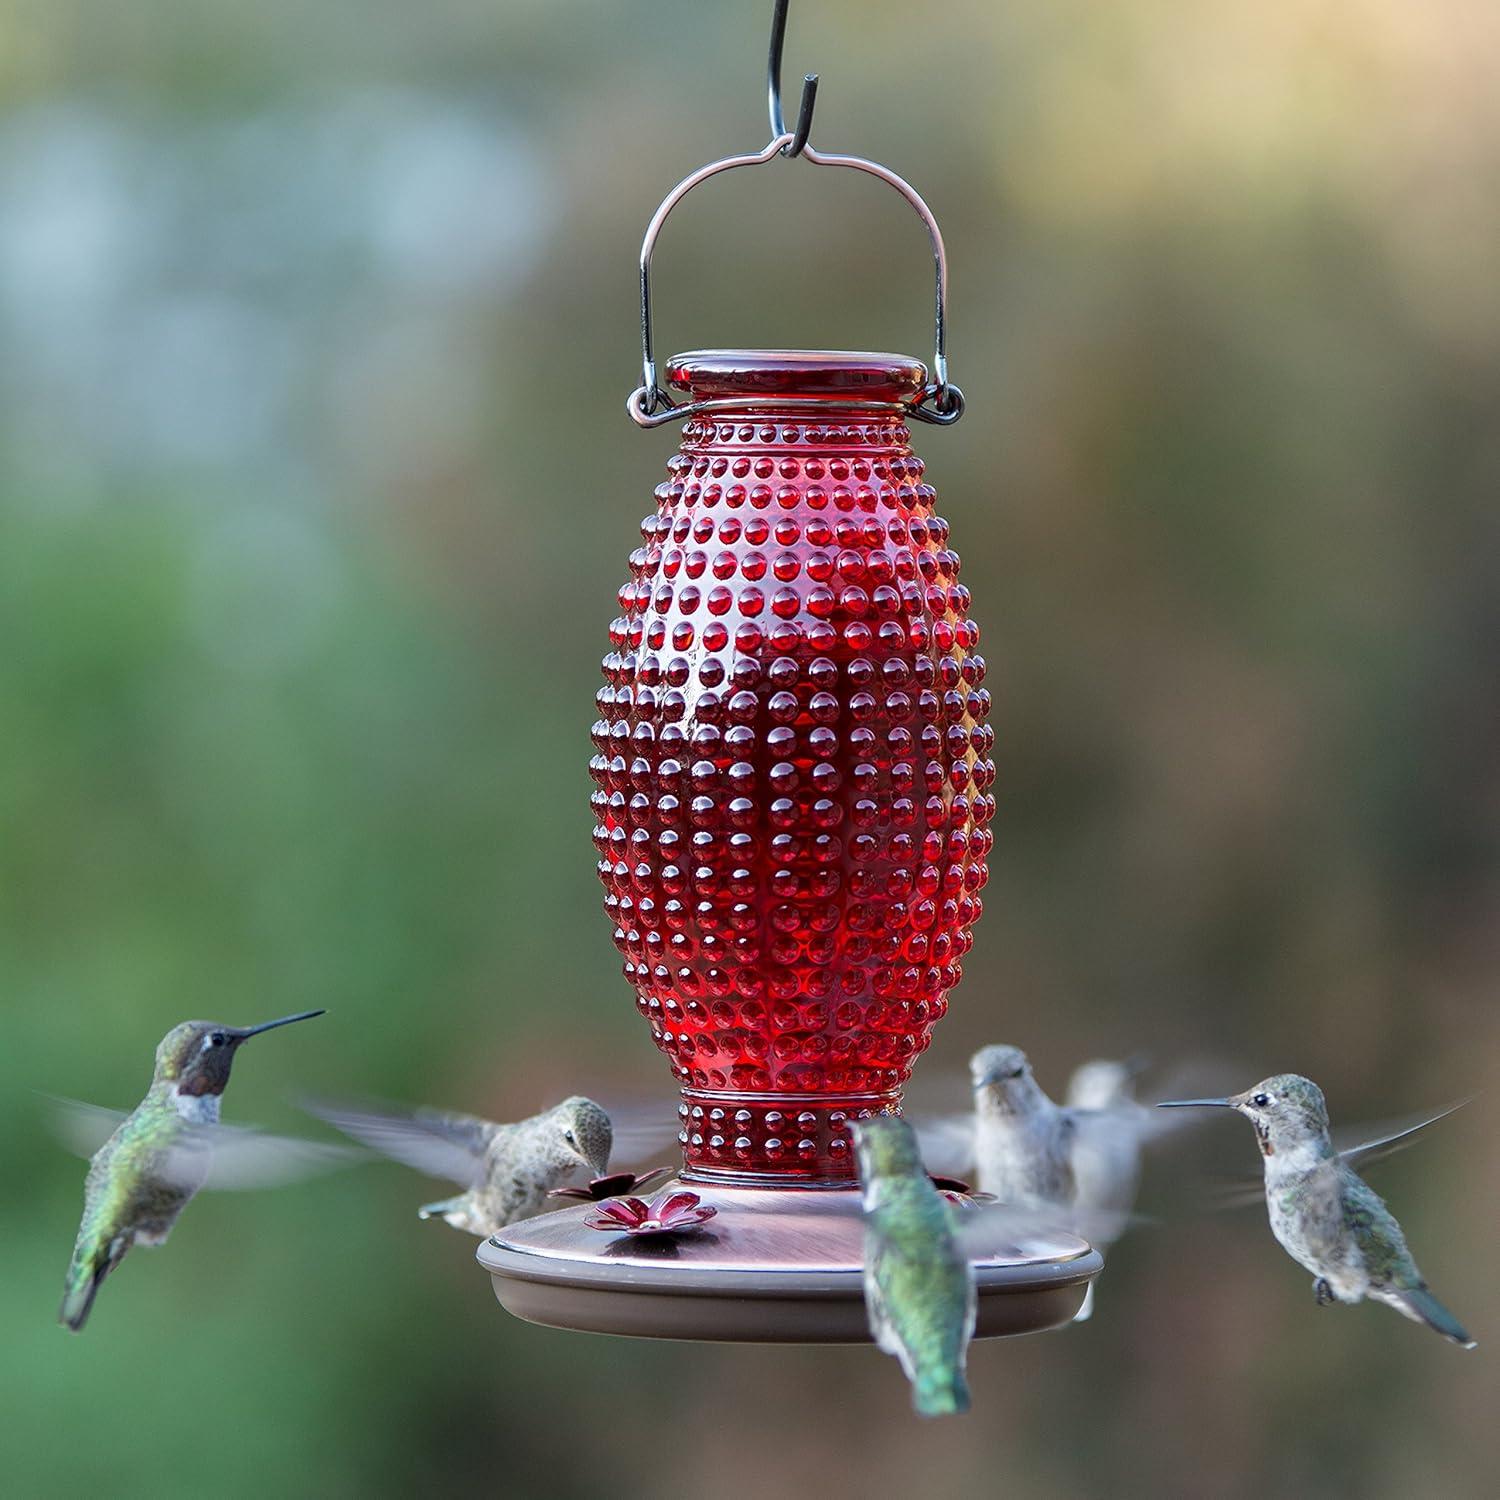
x=1324 y=1215
x=1110 y=1131
x=1023 y=1141
x=506 y=1171
x=1110 y=1128
x=170 y=1145
x=1075 y=1165
x=1104 y=1083
x=919 y=1285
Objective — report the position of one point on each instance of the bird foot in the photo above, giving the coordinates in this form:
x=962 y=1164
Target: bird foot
x=1322 y=1292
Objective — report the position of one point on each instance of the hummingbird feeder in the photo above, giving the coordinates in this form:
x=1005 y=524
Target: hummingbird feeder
x=793 y=791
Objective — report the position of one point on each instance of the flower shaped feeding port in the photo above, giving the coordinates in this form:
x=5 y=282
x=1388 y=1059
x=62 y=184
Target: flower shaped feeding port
x=959 y=1193
x=667 y=1213
x=792 y=793
x=612 y=1185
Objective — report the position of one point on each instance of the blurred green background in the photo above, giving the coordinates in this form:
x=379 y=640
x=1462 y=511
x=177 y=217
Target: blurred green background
x=315 y=488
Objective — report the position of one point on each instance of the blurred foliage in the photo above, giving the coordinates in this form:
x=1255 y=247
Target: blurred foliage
x=314 y=491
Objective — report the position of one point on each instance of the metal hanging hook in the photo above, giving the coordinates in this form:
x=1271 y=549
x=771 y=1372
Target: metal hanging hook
x=773 y=88
x=941 y=401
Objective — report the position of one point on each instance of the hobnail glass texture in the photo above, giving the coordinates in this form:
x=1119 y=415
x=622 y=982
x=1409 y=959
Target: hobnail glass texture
x=793 y=774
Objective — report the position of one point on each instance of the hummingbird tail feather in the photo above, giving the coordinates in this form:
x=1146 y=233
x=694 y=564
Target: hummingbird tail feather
x=940 y=1393
x=1420 y=1304
x=78 y=1299
x=85 y=1276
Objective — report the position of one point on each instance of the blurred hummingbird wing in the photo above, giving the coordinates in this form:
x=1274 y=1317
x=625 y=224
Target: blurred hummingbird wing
x=1240 y=1191
x=239 y=1157
x=946 y=1142
x=444 y=1145
x=82 y=1128
x=985 y=1229
x=1126 y=1125
x=1153 y=1125
x=1358 y=1146
x=641 y=1132
x=1106 y=1156
x=468 y=1131
x=220 y=1156
x=1361 y=1145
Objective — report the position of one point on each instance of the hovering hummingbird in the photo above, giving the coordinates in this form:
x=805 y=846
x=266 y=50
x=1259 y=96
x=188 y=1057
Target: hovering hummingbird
x=506 y=1171
x=1105 y=1083
x=1031 y=1152
x=1325 y=1216
x=1076 y=1166
x=170 y=1145
x=1110 y=1131
x=1023 y=1141
x=1110 y=1128
x=919 y=1285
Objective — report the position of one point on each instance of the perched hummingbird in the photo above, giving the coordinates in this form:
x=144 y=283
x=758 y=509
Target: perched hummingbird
x=1326 y=1218
x=505 y=1171
x=919 y=1285
x=168 y=1147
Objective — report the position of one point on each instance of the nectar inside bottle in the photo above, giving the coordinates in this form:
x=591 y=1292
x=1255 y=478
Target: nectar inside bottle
x=793 y=780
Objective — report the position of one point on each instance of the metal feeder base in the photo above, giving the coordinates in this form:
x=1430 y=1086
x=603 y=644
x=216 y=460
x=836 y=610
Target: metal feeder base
x=775 y=1266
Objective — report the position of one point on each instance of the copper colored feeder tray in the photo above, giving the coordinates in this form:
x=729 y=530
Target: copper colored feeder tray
x=774 y=1266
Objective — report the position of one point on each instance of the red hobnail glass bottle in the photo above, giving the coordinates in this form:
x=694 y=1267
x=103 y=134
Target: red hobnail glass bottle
x=793 y=779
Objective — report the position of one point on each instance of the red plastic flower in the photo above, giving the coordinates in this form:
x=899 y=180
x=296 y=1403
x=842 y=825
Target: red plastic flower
x=958 y=1192
x=667 y=1213
x=615 y=1185
x=950 y=1184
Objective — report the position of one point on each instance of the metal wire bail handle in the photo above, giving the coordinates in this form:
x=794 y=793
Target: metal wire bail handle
x=941 y=401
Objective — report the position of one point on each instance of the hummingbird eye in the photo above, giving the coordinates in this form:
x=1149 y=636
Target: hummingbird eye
x=1261 y=1100
x=218 y=1039
x=568 y=1137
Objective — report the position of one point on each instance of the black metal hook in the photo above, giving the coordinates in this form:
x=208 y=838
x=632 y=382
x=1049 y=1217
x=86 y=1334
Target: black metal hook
x=941 y=401
x=773 y=89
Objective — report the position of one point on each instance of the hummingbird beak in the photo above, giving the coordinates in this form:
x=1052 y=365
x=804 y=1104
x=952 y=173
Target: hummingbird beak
x=1196 y=1103
x=302 y=1015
